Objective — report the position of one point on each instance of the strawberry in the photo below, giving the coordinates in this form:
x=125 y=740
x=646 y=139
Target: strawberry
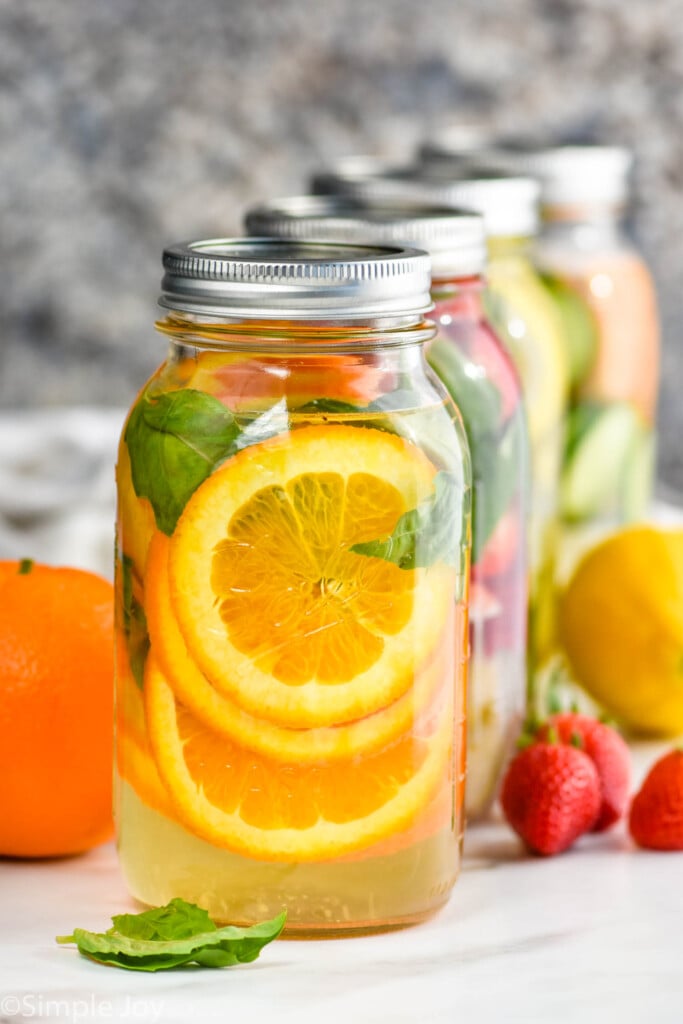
x=656 y=819
x=608 y=752
x=551 y=796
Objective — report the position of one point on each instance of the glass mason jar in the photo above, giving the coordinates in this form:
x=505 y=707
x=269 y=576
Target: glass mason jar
x=525 y=318
x=483 y=383
x=607 y=298
x=292 y=582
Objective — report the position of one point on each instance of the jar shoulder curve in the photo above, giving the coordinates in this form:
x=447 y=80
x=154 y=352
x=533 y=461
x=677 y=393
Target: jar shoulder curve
x=202 y=407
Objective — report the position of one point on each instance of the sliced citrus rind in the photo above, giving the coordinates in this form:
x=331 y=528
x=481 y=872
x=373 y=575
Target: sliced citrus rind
x=276 y=609
x=130 y=708
x=223 y=715
x=243 y=802
x=135 y=523
x=136 y=766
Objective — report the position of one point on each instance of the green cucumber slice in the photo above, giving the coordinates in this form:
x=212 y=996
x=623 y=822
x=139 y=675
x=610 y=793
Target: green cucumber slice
x=638 y=478
x=580 y=328
x=600 y=442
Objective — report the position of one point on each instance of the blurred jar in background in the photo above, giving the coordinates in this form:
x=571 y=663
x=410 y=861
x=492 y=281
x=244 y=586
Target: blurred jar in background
x=481 y=379
x=524 y=315
x=606 y=296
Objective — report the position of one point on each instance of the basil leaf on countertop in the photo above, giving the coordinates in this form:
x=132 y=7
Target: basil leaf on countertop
x=171 y=936
x=426 y=534
x=175 y=440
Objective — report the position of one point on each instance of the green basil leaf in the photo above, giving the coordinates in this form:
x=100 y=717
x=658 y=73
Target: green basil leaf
x=175 y=440
x=177 y=920
x=134 y=623
x=426 y=534
x=329 y=405
x=171 y=936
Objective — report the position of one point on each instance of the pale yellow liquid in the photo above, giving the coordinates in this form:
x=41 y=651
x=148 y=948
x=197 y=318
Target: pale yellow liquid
x=161 y=860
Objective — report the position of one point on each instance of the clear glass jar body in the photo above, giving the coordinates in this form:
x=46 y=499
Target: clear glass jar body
x=292 y=574
x=525 y=317
x=606 y=296
x=479 y=375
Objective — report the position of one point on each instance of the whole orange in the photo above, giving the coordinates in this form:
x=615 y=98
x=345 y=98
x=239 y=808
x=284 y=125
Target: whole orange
x=56 y=710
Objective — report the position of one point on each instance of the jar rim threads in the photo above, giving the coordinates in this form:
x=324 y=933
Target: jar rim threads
x=455 y=239
x=268 y=278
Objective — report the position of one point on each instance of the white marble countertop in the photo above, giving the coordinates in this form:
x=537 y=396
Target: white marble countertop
x=592 y=935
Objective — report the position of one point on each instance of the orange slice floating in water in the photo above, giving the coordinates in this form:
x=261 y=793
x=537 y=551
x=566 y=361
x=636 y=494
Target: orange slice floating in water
x=275 y=608
x=224 y=715
x=267 y=810
x=136 y=767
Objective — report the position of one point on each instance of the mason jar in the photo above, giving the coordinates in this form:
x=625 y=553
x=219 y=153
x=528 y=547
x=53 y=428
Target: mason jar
x=606 y=295
x=481 y=379
x=523 y=314
x=293 y=548
x=607 y=302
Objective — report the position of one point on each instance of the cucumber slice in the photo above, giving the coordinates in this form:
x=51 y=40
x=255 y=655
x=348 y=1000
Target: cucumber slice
x=580 y=328
x=638 y=477
x=594 y=471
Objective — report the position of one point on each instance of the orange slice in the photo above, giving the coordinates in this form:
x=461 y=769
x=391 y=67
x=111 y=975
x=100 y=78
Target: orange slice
x=130 y=708
x=247 y=381
x=274 y=606
x=135 y=515
x=136 y=766
x=223 y=715
x=267 y=810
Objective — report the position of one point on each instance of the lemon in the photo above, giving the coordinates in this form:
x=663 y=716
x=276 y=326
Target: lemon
x=621 y=624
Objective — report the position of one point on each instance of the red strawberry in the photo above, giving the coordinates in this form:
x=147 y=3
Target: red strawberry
x=551 y=796
x=607 y=751
x=656 y=819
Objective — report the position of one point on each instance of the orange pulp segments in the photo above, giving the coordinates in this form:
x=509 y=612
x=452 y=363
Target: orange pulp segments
x=277 y=611
x=223 y=715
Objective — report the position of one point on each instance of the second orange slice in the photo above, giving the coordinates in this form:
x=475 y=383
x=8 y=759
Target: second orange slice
x=267 y=810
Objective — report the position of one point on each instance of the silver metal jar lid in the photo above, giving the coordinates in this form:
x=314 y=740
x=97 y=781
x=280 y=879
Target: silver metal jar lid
x=574 y=175
x=508 y=203
x=266 y=278
x=568 y=174
x=454 y=239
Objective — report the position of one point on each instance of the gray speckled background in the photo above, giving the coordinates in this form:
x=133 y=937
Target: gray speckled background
x=128 y=124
